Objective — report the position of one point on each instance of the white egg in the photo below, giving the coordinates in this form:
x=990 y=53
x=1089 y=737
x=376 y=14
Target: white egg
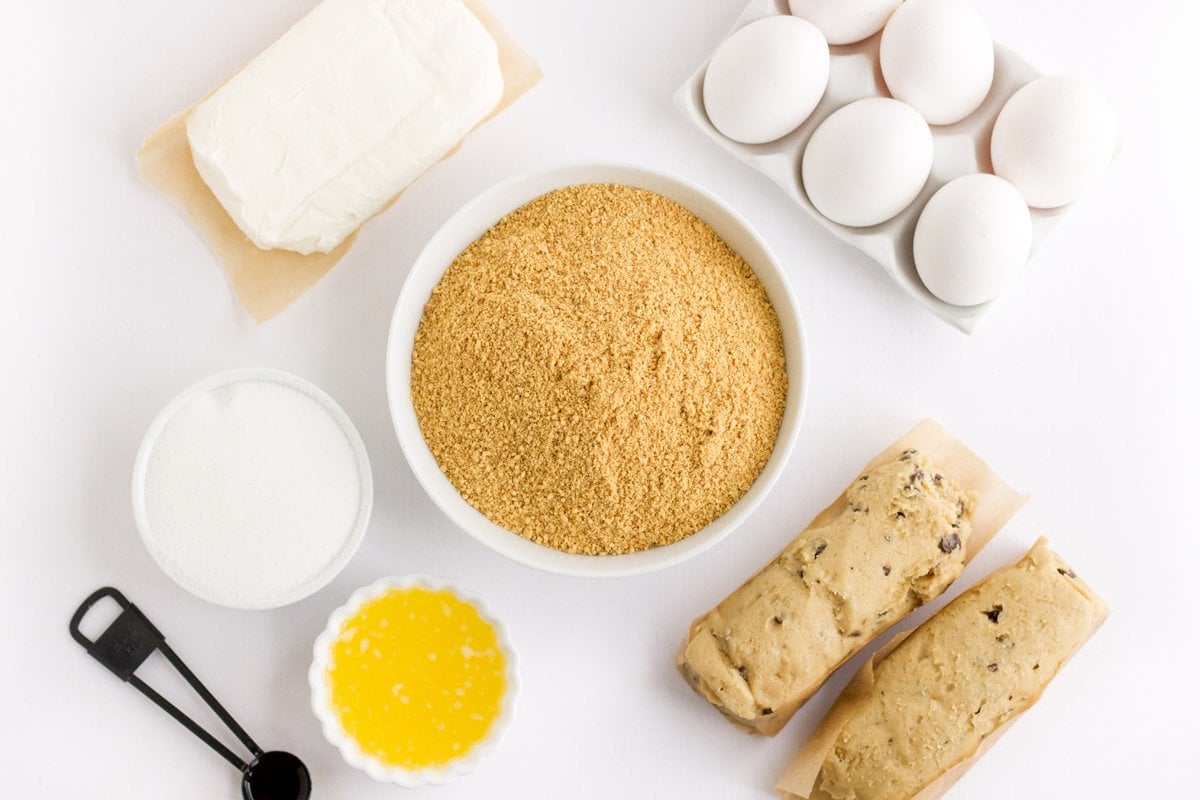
x=867 y=161
x=972 y=239
x=845 y=21
x=938 y=56
x=1053 y=139
x=766 y=78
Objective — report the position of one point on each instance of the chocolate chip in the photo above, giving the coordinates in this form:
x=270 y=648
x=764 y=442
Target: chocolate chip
x=778 y=620
x=799 y=573
x=1037 y=666
x=950 y=543
x=907 y=455
x=863 y=478
x=937 y=478
x=854 y=634
x=917 y=476
x=745 y=675
x=993 y=667
x=819 y=549
x=1070 y=573
x=994 y=614
x=899 y=515
x=767 y=711
x=887 y=570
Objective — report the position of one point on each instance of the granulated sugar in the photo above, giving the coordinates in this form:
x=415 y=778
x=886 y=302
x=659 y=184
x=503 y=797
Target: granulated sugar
x=599 y=372
x=251 y=491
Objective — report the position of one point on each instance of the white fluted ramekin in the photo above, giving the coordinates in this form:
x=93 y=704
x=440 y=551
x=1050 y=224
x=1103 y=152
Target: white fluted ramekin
x=322 y=706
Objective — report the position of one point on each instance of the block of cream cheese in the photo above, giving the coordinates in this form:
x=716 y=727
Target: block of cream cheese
x=351 y=105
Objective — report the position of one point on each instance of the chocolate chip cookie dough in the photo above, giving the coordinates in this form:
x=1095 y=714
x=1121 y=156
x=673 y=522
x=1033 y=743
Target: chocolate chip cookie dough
x=924 y=710
x=899 y=542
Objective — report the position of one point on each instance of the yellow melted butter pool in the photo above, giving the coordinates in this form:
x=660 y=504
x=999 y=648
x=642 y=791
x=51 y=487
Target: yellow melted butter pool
x=417 y=677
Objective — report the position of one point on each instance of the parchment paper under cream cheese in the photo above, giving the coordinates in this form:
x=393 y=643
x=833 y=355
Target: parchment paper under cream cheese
x=267 y=281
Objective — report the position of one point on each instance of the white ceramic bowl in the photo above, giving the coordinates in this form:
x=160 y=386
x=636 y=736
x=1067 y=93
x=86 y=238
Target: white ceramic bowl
x=470 y=223
x=351 y=752
x=329 y=570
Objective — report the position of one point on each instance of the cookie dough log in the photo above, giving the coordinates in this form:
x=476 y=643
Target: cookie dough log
x=770 y=645
x=970 y=669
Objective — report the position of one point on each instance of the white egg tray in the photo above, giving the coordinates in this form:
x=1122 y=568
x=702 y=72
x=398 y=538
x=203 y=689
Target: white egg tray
x=958 y=149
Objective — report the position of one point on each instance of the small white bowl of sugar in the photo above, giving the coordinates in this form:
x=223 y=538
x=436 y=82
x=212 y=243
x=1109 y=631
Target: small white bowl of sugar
x=252 y=489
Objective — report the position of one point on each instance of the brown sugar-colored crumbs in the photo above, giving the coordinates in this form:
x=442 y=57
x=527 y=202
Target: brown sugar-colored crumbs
x=600 y=372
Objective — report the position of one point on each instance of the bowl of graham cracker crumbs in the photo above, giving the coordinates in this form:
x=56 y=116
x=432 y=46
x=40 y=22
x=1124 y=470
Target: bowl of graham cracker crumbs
x=596 y=370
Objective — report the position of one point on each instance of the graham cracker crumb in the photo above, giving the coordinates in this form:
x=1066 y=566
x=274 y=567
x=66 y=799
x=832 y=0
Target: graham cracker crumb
x=599 y=372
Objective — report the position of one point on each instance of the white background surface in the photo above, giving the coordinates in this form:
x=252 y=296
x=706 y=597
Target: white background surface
x=1081 y=388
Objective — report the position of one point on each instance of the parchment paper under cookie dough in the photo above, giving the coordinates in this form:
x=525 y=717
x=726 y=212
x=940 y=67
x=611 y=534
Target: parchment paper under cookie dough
x=997 y=503
x=267 y=281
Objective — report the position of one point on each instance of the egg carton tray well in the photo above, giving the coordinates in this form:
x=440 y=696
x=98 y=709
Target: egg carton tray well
x=958 y=149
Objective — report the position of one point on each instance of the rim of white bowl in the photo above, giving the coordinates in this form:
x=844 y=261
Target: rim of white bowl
x=352 y=754
x=225 y=378
x=470 y=222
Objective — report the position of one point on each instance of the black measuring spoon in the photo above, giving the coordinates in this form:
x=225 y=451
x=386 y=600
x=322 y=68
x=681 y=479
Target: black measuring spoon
x=128 y=642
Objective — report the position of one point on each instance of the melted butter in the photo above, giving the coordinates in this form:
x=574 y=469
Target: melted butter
x=417 y=677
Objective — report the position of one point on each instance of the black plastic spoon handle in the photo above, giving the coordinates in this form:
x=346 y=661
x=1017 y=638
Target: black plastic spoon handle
x=127 y=643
